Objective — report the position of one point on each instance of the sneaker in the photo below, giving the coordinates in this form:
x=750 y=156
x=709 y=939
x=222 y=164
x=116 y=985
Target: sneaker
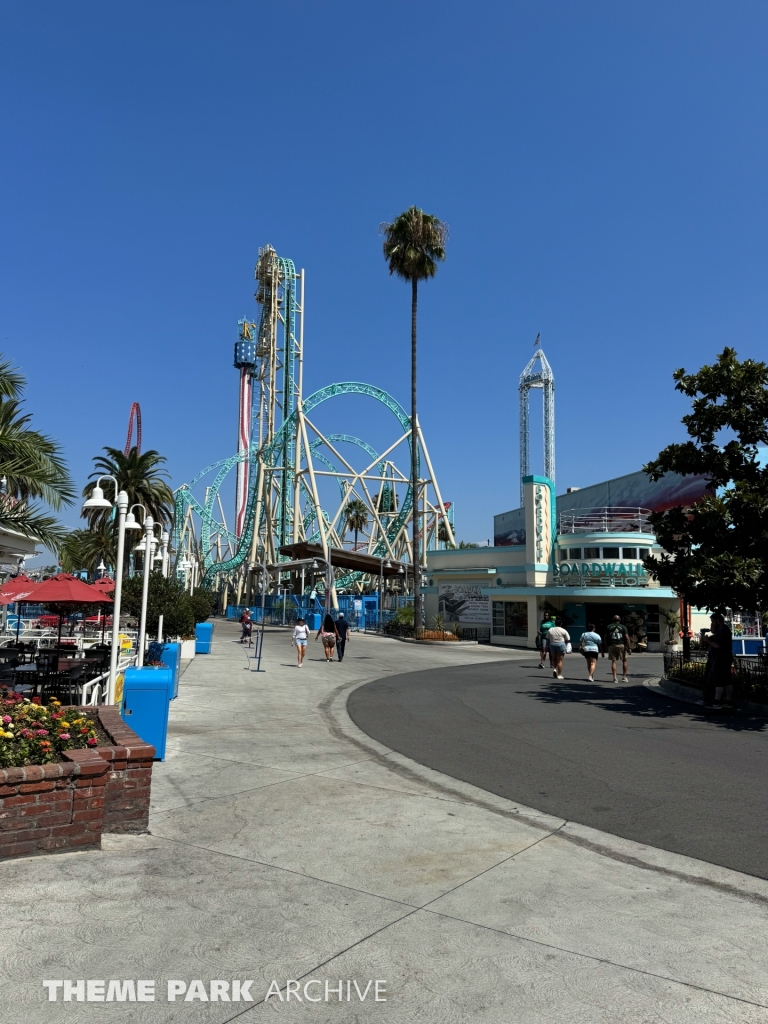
x=561 y=677
x=540 y=665
x=624 y=679
x=554 y=673
x=590 y=679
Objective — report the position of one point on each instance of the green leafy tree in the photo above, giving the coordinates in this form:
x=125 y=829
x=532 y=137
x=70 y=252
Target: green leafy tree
x=202 y=601
x=165 y=596
x=142 y=478
x=715 y=552
x=464 y=544
x=32 y=466
x=356 y=516
x=414 y=244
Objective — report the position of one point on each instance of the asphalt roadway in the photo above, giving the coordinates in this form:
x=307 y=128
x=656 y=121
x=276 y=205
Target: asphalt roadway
x=615 y=757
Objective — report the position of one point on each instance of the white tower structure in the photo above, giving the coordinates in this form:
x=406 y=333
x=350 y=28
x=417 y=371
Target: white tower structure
x=537 y=377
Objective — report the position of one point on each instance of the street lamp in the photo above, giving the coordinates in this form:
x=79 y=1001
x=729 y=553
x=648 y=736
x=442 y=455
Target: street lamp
x=98 y=501
x=147 y=543
x=382 y=567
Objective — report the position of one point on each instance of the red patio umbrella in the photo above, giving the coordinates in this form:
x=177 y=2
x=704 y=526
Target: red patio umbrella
x=65 y=589
x=19 y=588
x=107 y=586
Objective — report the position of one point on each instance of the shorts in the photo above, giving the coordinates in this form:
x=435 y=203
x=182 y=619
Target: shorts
x=617 y=652
x=555 y=648
x=301 y=643
x=591 y=654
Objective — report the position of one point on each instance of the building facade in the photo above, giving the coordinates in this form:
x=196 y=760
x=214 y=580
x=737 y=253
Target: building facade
x=584 y=565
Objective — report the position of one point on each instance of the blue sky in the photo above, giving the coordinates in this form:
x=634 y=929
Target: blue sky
x=602 y=168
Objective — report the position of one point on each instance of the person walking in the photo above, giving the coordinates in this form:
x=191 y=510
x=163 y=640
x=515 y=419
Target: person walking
x=247 y=627
x=589 y=646
x=557 y=640
x=618 y=646
x=342 y=631
x=329 y=636
x=300 y=637
x=541 y=638
x=717 y=675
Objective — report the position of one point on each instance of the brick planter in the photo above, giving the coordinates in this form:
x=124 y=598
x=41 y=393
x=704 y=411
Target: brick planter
x=53 y=807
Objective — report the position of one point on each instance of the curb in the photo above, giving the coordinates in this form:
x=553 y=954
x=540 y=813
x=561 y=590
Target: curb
x=690 y=695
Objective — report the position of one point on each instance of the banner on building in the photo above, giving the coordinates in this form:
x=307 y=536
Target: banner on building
x=463 y=602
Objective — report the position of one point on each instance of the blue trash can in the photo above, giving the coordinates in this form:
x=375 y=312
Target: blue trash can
x=203 y=637
x=171 y=657
x=147 y=695
x=313 y=621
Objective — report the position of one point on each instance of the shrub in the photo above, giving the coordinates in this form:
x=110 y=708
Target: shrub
x=166 y=596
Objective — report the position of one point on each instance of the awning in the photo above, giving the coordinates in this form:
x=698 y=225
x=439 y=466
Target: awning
x=340 y=558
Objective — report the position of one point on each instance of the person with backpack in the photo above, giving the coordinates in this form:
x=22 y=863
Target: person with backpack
x=618 y=646
x=246 y=622
x=541 y=639
x=589 y=646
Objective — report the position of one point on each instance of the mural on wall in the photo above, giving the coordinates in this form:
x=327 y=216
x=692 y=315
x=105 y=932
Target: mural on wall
x=634 y=490
x=463 y=602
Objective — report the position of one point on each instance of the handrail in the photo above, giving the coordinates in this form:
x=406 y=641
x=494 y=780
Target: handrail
x=98 y=690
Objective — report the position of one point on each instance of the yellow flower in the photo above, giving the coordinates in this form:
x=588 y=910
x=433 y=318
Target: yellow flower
x=64 y=725
x=56 y=703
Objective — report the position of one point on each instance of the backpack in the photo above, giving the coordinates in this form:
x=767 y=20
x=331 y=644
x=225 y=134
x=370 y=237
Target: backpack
x=616 y=633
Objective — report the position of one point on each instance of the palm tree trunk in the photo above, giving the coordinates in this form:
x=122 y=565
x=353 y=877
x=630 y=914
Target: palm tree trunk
x=417 y=617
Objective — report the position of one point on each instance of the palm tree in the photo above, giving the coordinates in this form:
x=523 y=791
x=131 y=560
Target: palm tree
x=87 y=549
x=356 y=516
x=414 y=243
x=32 y=466
x=141 y=477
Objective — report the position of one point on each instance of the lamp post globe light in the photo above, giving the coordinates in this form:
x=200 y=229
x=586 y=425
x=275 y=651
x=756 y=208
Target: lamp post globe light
x=98 y=501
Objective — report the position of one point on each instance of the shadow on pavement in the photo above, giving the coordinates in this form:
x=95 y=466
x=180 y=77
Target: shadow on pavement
x=629 y=699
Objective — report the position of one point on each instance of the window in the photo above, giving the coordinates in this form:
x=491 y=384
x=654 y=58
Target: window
x=575 y=554
x=510 y=618
x=515 y=618
x=564 y=554
x=498 y=618
x=610 y=552
x=591 y=552
x=629 y=553
x=643 y=552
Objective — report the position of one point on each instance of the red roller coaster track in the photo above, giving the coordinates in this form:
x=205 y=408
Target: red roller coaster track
x=134 y=416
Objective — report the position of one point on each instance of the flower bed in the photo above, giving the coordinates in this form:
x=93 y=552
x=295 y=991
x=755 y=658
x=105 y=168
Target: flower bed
x=68 y=801
x=33 y=734
x=437 y=634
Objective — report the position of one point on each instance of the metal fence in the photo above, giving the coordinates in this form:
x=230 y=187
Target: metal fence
x=749 y=675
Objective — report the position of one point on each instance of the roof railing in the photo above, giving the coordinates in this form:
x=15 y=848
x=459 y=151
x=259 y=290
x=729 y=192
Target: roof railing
x=608 y=519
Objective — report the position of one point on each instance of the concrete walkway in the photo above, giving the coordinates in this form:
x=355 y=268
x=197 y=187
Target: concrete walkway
x=287 y=845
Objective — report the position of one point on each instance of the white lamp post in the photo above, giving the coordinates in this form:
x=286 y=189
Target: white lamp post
x=147 y=548
x=165 y=539
x=97 y=500
x=382 y=567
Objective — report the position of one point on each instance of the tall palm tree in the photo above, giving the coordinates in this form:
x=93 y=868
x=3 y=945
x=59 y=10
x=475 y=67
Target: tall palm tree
x=356 y=516
x=414 y=243
x=140 y=476
x=31 y=466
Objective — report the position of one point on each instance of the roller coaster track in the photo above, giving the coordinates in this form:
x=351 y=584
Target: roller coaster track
x=272 y=456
